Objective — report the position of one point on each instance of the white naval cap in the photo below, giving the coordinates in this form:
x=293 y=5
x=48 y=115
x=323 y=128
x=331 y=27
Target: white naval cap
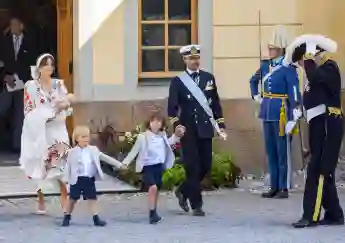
x=279 y=38
x=190 y=50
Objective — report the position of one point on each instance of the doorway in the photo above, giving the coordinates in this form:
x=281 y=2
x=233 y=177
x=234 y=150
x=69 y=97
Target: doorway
x=49 y=24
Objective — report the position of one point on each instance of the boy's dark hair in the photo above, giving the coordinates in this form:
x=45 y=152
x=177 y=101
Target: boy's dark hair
x=157 y=115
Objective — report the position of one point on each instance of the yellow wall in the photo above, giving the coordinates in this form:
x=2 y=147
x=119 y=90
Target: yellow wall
x=327 y=18
x=236 y=39
x=108 y=42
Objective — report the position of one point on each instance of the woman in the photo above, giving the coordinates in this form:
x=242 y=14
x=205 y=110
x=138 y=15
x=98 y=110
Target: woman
x=45 y=140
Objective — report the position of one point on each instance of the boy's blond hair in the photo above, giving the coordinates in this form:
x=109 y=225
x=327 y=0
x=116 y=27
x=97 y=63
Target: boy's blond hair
x=79 y=131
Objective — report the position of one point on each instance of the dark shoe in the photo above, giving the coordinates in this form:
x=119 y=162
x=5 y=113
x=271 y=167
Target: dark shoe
x=66 y=220
x=198 y=212
x=282 y=194
x=270 y=194
x=182 y=201
x=154 y=218
x=304 y=223
x=331 y=222
x=98 y=222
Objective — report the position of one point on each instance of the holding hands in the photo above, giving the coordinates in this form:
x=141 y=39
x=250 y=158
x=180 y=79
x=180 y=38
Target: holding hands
x=180 y=131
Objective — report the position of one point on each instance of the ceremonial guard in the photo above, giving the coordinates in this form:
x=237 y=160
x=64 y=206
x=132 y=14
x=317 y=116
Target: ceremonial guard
x=194 y=103
x=278 y=100
x=322 y=104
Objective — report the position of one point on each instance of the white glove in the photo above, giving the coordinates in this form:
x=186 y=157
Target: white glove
x=297 y=113
x=310 y=48
x=258 y=98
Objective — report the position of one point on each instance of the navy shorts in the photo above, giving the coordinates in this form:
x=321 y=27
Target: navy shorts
x=85 y=186
x=152 y=175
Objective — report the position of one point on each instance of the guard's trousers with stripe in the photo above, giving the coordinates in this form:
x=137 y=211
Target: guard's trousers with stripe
x=325 y=137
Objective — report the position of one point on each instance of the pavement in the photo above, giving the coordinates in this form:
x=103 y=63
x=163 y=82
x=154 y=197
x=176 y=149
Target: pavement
x=14 y=184
x=232 y=216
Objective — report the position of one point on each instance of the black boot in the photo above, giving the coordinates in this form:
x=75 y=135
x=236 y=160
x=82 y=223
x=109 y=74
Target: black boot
x=304 y=223
x=98 y=222
x=182 y=201
x=282 y=194
x=328 y=221
x=270 y=194
x=154 y=217
x=66 y=220
x=198 y=212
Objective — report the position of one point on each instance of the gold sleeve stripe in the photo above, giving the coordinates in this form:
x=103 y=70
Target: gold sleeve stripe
x=220 y=120
x=173 y=119
x=308 y=56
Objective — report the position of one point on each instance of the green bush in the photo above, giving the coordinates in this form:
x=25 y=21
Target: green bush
x=224 y=173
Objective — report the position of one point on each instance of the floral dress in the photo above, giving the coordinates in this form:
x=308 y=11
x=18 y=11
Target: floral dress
x=45 y=140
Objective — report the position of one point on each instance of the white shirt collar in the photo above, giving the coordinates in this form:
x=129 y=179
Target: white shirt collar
x=19 y=36
x=190 y=71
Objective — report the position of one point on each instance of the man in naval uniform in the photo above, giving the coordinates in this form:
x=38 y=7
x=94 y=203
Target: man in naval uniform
x=279 y=101
x=194 y=103
x=322 y=104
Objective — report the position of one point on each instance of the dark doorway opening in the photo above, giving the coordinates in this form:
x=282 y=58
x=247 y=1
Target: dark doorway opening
x=40 y=26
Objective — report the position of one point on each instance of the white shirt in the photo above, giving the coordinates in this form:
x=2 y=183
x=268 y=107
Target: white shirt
x=155 y=153
x=89 y=166
x=17 y=42
x=190 y=71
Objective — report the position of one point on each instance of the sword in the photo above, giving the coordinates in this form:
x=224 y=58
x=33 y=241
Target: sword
x=257 y=105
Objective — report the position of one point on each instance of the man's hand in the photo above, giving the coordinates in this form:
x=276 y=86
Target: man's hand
x=223 y=134
x=9 y=80
x=297 y=113
x=258 y=98
x=179 y=131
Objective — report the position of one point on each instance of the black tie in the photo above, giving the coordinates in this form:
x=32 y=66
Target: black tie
x=195 y=76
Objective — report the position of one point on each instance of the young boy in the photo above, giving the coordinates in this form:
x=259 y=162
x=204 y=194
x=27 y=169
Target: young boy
x=82 y=169
x=154 y=156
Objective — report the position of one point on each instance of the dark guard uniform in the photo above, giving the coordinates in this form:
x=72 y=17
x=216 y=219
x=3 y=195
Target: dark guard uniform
x=322 y=103
x=184 y=109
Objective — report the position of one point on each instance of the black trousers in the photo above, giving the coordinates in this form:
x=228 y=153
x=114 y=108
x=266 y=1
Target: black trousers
x=197 y=161
x=325 y=137
x=16 y=101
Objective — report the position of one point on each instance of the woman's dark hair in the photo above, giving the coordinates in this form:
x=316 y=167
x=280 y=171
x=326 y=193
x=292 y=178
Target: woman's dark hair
x=158 y=116
x=44 y=61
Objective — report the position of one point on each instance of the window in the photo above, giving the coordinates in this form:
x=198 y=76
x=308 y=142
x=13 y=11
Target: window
x=164 y=27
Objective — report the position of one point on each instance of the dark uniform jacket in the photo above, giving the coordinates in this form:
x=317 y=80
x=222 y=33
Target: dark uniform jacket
x=324 y=85
x=184 y=109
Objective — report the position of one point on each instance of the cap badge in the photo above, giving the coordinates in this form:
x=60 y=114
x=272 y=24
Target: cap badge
x=193 y=50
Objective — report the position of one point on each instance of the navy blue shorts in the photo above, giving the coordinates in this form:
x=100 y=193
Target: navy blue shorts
x=152 y=175
x=85 y=186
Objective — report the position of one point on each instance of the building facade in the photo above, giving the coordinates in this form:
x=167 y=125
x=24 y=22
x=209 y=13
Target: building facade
x=125 y=51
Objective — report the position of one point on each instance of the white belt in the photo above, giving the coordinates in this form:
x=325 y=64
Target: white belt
x=315 y=111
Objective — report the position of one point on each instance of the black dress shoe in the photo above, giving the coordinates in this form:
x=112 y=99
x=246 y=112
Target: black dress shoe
x=154 y=218
x=98 y=222
x=304 y=223
x=198 y=212
x=182 y=201
x=282 y=194
x=270 y=194
x=331 y=222
x=66 y=220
